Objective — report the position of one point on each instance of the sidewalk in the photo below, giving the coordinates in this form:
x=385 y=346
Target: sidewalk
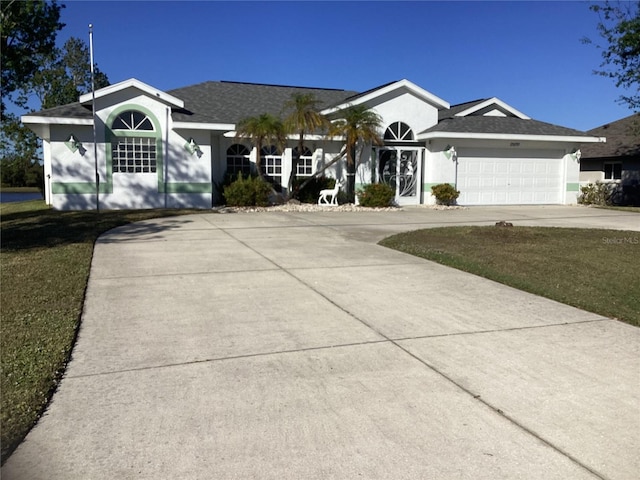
x=290 y=345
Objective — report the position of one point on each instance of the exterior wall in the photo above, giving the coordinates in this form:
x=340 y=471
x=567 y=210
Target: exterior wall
x=182 y=179
x=406 y=108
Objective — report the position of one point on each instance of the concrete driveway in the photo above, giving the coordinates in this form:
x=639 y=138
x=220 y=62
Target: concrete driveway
x=290 y=345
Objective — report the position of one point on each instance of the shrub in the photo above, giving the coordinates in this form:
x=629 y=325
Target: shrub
x=445 y=194
x=311 y=191
x=595 y=194
x=376 y=195
x=247 y=192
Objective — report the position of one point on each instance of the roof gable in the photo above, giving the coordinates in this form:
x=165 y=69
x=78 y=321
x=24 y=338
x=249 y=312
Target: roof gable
x=132 y=83
x=491 y=107
x=390 y=89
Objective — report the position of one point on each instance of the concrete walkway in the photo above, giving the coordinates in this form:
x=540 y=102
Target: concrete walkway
x=291 y=346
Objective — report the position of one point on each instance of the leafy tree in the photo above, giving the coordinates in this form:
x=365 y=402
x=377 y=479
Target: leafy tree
x=619 y=26
x=61 y=76
x=262 y=130
x=29 y=30
x=357 y=125
x=302 y=119
x=64 y=75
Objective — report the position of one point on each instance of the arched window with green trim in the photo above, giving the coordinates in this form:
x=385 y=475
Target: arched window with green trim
x=133 y=149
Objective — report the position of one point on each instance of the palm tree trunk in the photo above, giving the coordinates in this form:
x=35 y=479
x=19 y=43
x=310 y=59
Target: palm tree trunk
x=351 y=173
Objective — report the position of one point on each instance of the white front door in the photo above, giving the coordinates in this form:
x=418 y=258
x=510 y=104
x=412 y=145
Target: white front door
x=401 y=169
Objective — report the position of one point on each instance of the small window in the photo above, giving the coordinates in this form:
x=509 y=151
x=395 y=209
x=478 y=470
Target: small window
x=272 y=165
x=305 y=162
x=613 y=171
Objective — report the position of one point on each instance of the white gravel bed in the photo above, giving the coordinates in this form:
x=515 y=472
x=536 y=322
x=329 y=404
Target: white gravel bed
x=310 y=207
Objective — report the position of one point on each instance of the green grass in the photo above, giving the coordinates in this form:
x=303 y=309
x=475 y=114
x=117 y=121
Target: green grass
x=596 y=270
x=44 y=267
x=6 y=189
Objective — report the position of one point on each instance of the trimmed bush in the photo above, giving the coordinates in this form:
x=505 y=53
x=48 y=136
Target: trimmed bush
x=249 y=192
x=376 y=195
x=595 y=194
x=445 y=194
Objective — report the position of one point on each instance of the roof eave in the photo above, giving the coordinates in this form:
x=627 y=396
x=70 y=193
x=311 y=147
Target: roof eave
x=217 y=127
x=512 y=137
x=40 y=120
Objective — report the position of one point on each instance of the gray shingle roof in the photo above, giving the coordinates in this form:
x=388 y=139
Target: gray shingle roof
x=508 y=125
x=71 y=110
x=623 y=139
x=230 y=102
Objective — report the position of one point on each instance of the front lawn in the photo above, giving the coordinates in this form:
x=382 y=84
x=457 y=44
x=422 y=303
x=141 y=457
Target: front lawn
x=44 y=266
x=596 y=270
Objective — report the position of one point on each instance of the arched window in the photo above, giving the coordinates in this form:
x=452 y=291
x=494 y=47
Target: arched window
x=305 y=162
x=132 y=120
x=399 y=132
x=133 y=149
x=238 y=160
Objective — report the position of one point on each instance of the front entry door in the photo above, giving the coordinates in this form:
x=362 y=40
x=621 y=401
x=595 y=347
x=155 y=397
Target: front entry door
x=400 y=168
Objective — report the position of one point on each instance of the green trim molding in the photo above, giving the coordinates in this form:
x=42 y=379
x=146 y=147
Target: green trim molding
x=188 y=188
x=77 y=188
x=573 y=187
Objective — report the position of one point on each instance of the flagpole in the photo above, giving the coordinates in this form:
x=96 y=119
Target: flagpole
x=93 y=110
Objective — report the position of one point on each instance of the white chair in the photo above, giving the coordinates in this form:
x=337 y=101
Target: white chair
x=330 y=196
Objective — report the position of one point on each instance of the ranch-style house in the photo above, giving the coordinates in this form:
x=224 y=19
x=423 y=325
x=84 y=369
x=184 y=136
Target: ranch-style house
x=157 y=149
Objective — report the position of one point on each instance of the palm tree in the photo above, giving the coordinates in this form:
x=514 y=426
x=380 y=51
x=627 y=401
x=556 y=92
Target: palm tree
x=303 y=118
x=263 y=130
x=358 y=124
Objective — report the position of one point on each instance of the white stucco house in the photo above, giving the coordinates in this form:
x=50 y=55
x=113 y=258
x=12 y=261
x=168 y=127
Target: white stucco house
x=172 y=149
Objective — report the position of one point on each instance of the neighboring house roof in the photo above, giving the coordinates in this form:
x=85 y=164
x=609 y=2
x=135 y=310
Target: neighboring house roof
x=623 y=139
x=230 y=102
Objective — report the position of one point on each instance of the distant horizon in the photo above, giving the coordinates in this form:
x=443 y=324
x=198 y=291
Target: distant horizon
x=527 y=54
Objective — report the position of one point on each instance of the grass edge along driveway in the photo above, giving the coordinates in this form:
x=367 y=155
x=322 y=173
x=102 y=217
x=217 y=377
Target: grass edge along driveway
x=595 y=270
x=44 y=269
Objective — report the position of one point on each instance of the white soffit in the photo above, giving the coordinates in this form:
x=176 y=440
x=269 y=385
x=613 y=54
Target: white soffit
x=378 y=92
x=511 y=137
x=216 y=127
x=134 y=83
x=492 y=101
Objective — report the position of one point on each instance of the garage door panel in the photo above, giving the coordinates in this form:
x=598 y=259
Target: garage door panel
x=502 y=177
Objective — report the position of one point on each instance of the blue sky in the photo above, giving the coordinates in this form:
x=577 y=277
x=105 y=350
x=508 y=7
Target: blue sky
x=528 y=54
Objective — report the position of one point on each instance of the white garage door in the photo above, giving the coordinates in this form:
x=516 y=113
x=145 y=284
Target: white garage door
x=510 y=177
